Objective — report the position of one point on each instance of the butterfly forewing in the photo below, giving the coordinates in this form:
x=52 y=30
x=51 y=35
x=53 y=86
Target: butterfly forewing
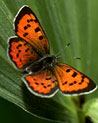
x=71 y=81
x=28 y=28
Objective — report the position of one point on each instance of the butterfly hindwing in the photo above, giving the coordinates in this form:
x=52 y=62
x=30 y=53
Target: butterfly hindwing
x=21 y=53
x=28 y=28
x=71 y=81
x=42 y=84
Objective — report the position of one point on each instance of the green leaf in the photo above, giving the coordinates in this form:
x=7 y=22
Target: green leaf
x=64 y=21
x=91 y=110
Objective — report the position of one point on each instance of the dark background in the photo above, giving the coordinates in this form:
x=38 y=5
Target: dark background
x=10 y=113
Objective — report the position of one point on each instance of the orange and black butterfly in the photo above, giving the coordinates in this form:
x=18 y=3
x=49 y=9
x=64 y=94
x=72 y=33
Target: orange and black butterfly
x=30 y=52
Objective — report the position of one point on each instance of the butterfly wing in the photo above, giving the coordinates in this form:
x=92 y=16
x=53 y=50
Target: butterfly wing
x=71 y=81
x=43 y=84
x=28 y=28
x=21 y=53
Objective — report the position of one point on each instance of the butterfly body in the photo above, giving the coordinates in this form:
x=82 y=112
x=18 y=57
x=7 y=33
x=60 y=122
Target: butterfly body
x=47 y=61
x=30 y=51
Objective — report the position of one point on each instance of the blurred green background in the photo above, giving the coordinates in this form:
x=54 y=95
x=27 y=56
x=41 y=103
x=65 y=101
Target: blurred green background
x=64 y=21
x=10 y=113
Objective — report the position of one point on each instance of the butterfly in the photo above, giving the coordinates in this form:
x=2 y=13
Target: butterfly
x=30 y=51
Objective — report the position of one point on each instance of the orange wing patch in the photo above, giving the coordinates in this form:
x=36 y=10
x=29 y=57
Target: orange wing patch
x=72 y=81
x=21 y=53
x=28 y=28
x=42 y=84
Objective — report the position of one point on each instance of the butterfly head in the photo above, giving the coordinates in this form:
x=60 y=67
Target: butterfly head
x=49 y=60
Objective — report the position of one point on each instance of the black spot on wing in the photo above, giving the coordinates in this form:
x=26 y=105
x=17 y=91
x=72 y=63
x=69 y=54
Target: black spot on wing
x=28 y=25
x=37 y=29
x=83 y=77
x=17 y=55
x=28 y=20
x=80 y=83
x=36 y=21
x=68 y=70
x=19 y=46
x=25 y=27
x=82 y=80
x=49 y=85
x=74 y=74
x=40 y=37
x=75 y=82
x=25 y=34
x=71 y=84
x=20 y=60
x=44 y=86
x=19 y=51
x=54 y=81
x=27 y=50
x=64 y=83
x=31 y=20
x=48 y=78
x=36 y=83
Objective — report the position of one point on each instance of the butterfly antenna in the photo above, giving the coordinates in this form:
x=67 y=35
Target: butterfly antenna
x=67 y=45
x=76 y=58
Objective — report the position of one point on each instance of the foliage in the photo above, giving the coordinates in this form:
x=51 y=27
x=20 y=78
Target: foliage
x=64 y=21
